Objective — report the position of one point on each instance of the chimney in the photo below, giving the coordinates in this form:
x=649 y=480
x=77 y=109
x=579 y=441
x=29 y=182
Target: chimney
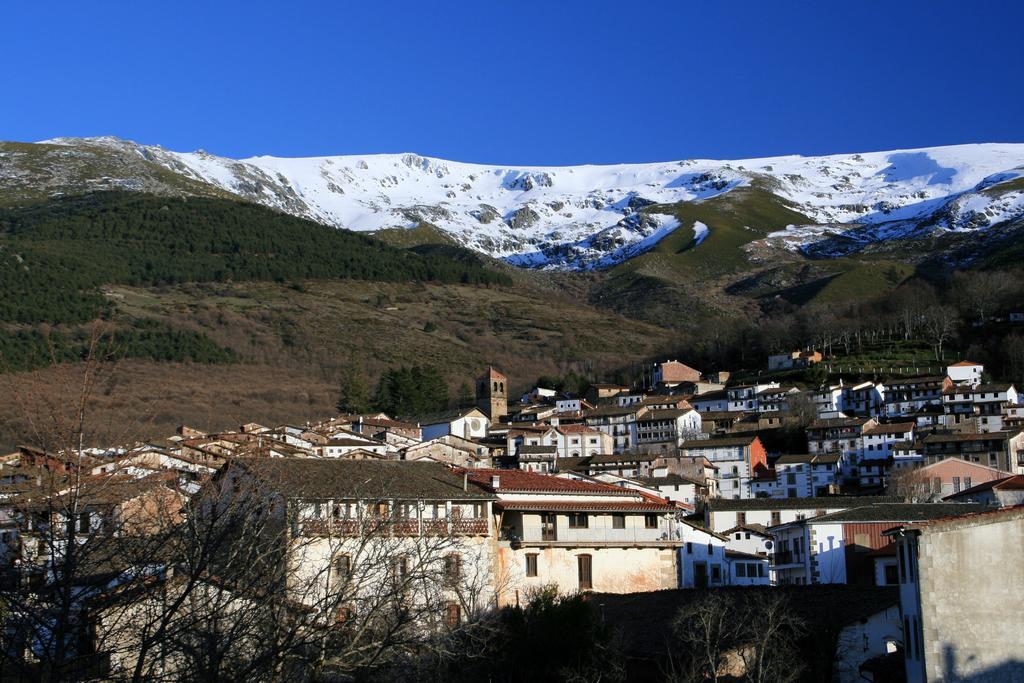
x=495 y=481
x=465 y=481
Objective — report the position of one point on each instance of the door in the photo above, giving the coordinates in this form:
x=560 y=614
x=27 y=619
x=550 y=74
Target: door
x=547 y=527
x=700 y=575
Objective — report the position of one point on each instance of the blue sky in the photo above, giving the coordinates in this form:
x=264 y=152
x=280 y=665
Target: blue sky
x=556 y=82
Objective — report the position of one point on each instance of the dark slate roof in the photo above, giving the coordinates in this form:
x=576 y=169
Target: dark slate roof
x=330 y=478
x=831 y=422
x=669 y=480
x=900 y=512
x=537 y=450
x=819 y=502
x=613 y=411
x=759 y=529
x=725 y=442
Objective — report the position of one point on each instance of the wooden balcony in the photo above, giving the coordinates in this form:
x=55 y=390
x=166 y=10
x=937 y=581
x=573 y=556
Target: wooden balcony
x=402 y=527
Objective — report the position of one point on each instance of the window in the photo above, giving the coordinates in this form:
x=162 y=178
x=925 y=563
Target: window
x=452 y=567
x=618 y=521
x=578 y=520
x=531 y=564
x=399 y=569
x=711 y=549
x=83 y=522
x=342 y=567
x=650 y=521
x=583 y=565
x=716 y=573
x=956 y=484
x=891 y=575
x=689 y=548
x=776 y=518
x=760 y=569
x=967 y=482
x=452 y=615
x=741 y=569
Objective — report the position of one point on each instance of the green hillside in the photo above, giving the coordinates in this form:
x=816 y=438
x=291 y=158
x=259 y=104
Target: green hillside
x=680 y=283
x=54 y=256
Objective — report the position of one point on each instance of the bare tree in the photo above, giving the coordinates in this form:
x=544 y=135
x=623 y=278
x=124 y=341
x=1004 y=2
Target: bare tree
x=748 y=635
x=939 y=325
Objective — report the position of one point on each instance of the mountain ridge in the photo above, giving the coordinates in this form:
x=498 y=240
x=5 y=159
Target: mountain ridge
x=572 y=217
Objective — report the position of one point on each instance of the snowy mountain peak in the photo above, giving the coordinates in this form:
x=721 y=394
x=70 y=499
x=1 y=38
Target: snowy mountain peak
x=579 y=217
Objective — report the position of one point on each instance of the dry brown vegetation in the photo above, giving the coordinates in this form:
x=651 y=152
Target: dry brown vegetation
x=296 y=341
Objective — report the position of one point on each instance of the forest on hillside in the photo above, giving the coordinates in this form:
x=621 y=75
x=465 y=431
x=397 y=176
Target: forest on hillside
x=56 y=256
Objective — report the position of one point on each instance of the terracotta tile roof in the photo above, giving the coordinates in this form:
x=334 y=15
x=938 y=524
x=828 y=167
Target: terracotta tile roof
x=723 y=442
x=493 y=374
x=965 y=364
x=333 y=478
x=892 y=428
x=576 y=429
x=670 y=414
x=517 y=481
x=585 y=506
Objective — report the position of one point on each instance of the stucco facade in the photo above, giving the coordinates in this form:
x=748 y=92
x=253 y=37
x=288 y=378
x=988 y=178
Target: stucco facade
x=959 y=626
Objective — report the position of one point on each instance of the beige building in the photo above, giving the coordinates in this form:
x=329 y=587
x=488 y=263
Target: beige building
x=355 y=531
x=579 y=535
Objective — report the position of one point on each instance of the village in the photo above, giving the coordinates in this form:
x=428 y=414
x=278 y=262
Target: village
x=874 y=507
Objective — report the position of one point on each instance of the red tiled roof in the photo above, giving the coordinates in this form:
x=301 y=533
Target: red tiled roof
x=494 y=374
x=583 y=506
x=521 y=480
x=964 y=364
x=892 y=428
x=575 y=429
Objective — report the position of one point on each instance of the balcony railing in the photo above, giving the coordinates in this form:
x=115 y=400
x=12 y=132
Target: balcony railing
x=465 y=526
x=786 y=557
x=585 y=536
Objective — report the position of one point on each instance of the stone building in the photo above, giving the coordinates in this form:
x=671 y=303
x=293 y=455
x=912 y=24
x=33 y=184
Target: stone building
x=492 y=394
x=957 y=625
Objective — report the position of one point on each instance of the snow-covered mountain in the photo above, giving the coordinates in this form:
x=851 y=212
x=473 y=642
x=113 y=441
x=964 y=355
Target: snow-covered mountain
x=577 y=217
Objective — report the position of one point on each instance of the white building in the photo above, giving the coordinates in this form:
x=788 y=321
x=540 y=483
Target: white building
x=800 y=476
x=722 y=514
x=966 y=373
x=469 y=423
x=840 y=547
x=668 y=427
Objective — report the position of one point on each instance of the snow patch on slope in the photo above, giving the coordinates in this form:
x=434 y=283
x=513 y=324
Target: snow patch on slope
x=700 y=233
x=582 y=217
